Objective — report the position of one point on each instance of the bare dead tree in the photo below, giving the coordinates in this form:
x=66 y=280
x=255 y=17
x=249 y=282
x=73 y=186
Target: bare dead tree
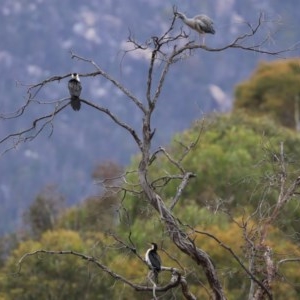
x=259 y=251
x=164 y=50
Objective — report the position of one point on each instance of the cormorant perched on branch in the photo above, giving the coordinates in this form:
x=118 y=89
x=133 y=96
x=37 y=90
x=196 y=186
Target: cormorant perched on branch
x=153 y=260
x=75 y=88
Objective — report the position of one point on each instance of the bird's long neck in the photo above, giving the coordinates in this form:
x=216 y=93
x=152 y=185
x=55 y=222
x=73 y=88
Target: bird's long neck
x=186 y=20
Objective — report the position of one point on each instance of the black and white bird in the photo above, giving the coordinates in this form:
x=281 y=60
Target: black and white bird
x=153 y=260
x=201 y=23
x=75 y=88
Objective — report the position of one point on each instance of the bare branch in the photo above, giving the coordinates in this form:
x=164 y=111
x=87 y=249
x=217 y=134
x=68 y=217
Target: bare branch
x=173 y=258
x=163 y=150
x=235 y=256
x=158 y=43
x=285 y=194
x=44 y=82
x=181 y=187
x=140 y=288
x=132 y=249
x=111 y=79
x=22 y=137
x=287 y=260
x=192 y=144
x=116 y=120
x=164 y=180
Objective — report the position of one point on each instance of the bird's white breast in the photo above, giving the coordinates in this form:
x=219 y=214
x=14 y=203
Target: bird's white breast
x=147 y=257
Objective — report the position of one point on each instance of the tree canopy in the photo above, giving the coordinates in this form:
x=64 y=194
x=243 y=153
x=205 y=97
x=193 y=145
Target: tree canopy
x=274 y=90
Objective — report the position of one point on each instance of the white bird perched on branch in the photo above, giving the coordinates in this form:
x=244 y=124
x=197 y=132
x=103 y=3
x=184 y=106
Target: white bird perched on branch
x=201 y=23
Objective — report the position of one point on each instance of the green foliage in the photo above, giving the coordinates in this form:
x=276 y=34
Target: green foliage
x=272 y=90
x=69 y=277
x=234 y=163
x=53 y=276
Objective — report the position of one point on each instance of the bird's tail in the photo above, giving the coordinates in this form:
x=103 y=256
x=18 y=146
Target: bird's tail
x=155 y=276
x=75 y=103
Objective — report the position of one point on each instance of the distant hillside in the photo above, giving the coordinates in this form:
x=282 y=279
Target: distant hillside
x=36 y=39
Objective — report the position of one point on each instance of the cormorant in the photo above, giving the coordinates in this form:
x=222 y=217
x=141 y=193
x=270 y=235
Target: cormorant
x=75 y=88
x=153 y=260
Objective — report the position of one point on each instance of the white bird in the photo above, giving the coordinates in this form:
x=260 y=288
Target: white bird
x=201 y=23
x=75 y=88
